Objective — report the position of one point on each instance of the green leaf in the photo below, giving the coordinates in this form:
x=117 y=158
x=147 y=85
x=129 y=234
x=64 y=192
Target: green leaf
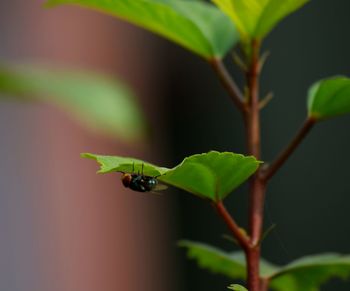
x=306 y=274
x=329 y=97
x=210 y=175
x=110 y=164
x=256 y=18
x=232 y=265
x=237 y=287
x=310 y=272
x=195 y=25
x=96 y=101
x=215 y=260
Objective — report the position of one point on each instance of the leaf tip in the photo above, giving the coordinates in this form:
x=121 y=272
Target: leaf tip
x=88 y=156
x=95 y=158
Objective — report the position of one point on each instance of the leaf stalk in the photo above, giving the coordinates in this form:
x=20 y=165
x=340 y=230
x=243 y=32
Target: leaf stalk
x=230 y=85
x=238 y=233
x=270 y=170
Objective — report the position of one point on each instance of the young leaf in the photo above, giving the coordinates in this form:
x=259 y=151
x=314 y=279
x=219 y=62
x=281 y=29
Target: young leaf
x=256 y=18
x=310 y=272
x=237 y=287
x=195 y=25
x=306 y=274
x=211 y=175
x=232 y=265
x=329 y=97
x=96 y=101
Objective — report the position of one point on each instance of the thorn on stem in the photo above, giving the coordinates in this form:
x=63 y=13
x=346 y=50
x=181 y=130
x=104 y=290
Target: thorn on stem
x=263 y=60
x=266 y=100
x=239 y=62
x=230 y=238
x=267 y=232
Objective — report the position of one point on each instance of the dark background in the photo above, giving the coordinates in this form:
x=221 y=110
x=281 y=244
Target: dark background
x=309 y=199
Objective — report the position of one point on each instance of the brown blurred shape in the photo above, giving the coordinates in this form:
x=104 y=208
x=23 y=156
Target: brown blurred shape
x=85 y=232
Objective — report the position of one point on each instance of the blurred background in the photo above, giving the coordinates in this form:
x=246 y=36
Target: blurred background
x=65 y=228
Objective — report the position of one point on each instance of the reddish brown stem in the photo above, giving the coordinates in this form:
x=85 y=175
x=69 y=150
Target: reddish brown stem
x=257 y=199
x=253 y=258
x=264 y=284
x=229 y=84
x=285 y=154
x=238 y=234
x=257 y=186
x=253 y=119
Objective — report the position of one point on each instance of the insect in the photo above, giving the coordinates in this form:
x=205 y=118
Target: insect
x=140 y=182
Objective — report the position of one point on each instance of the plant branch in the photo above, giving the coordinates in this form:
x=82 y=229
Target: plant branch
x=264 y=284
x=253 y=120
x=237 y=232
x=230 y=85
x=257 y=201
x=253 y=136
x=268 y=172
x=257 y=186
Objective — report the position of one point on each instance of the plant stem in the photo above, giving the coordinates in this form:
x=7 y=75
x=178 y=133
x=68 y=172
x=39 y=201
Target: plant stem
x=230 y=85
x=253 y=119
x=257 y=186
x=257 y=199
x=264 y=284
x=253 y=279
x=238 y=234
x=285 y=154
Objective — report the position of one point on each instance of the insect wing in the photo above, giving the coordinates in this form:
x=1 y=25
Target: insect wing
x=160 y=187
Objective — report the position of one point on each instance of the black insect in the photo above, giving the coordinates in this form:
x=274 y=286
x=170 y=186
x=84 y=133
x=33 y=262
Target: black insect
x=140 y=182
